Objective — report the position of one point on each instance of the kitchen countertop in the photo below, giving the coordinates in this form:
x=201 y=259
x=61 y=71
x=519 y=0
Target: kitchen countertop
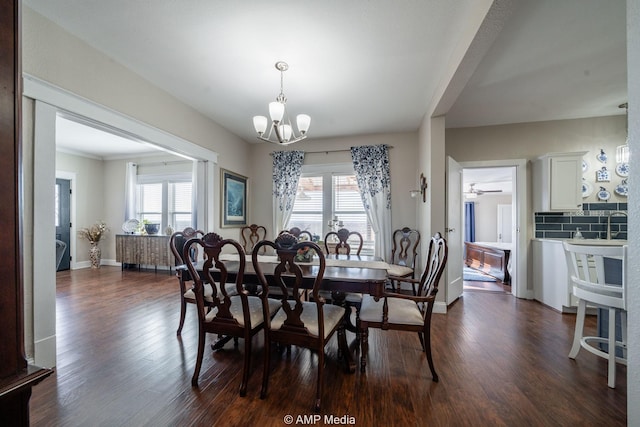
x=587 y=242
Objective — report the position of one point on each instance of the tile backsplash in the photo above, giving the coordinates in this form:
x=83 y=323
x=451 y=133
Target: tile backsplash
x=592 y=221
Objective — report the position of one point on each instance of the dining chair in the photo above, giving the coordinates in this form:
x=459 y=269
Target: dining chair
x=304 y=234
x=404 y=253
x=233 y=315
x=187 y=296
x=252 y=234
x=342 y=246
x=308 y=324
x=404 y=312
x=599 y=275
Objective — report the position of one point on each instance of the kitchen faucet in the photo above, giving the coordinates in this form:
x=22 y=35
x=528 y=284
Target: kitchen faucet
x=613 y=213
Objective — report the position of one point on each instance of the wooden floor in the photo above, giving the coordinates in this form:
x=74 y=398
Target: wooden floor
x=501 y=362
x=492 y=286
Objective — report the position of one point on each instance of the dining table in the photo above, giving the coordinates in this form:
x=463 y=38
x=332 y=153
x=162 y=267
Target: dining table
x=343 y=274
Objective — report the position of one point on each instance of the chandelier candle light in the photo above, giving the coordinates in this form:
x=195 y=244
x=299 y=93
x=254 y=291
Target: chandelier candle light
x=280 y=123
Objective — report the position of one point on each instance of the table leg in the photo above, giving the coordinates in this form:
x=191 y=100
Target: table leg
x=221 y=341
x=343 y=346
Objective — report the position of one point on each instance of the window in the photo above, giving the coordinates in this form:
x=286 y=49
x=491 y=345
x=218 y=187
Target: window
x=165 y=200
x=323 y=196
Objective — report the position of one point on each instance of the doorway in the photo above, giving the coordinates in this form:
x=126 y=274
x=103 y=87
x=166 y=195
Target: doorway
x=497 y=183
x=49 y=103
x=63 y=222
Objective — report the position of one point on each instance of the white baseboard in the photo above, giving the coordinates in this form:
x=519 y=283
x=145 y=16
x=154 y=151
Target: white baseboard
x=114 y=263
x=440 y=307
x=45 y=352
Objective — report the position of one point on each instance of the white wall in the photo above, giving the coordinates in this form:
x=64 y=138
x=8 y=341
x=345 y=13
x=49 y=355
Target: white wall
x=90 y=196
x=486 y=215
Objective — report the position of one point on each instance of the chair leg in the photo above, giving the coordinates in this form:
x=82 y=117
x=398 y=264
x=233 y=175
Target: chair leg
x=612 y=349
x=427 y=342
x=421 y=338
x=623 y=329
x=577 y=336
x=265 y=364
x=196 y=372
x=183 y=312
x=364 y=347
x=247 y=365
x=319 y=383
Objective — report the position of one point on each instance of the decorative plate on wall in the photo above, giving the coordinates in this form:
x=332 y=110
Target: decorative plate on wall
x=585 y=166
x=622 y=189
x=602 y=156
x=622 y=169
x=603 y=194
x=587 y=189
x=603 y=175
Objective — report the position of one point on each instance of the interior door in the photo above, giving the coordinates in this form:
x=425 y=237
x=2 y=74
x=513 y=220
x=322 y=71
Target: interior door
x=505 y=223
x=63 y=219
x=454 y=230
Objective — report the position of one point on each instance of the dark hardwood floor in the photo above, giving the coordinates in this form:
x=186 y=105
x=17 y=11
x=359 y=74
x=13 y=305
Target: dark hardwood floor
x=501 y=362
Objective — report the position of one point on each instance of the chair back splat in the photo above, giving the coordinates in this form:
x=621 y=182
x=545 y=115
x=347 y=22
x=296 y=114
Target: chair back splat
x=343 y=236
x=251 y=235
x=403 y=254
x=302 y=323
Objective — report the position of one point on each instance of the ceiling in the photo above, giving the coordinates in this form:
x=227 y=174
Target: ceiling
x=365 y=67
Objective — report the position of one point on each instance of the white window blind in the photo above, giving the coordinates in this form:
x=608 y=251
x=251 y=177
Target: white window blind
x=308 y=207
x=150 y=202
x=166 y=200
x=180 y=197
x=324 y=196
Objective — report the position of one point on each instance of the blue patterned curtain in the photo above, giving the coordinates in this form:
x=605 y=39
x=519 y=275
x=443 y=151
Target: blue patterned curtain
x=287 y=167
x=371 y=164
x=469 y=222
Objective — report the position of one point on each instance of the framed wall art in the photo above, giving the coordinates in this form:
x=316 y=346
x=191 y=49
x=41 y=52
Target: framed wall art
x=234 y=199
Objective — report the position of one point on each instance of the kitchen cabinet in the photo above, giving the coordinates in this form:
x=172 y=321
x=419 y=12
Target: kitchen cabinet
x=551 y=285
x=557 y=182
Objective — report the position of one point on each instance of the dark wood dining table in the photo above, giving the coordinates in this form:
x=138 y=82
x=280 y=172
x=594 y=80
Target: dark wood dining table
x=343 y=274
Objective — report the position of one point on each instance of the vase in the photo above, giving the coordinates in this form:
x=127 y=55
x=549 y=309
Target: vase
x=94 y=255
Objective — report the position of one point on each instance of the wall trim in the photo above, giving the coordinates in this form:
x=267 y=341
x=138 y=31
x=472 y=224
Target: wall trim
x=48 y=93
x=521 y=255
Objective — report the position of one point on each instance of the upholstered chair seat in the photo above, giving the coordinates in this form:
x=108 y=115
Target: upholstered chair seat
x=208 y=291
x=255 y=310
x=332 y=316
x=400 y=311
x=399 y=270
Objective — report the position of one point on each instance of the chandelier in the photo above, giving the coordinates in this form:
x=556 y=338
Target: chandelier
x=622 y=151
x=283 y=132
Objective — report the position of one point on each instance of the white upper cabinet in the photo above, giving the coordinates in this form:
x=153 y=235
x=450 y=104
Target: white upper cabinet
x=557 y=182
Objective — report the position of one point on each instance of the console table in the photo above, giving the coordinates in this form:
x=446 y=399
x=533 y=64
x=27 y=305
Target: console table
x=148 y=250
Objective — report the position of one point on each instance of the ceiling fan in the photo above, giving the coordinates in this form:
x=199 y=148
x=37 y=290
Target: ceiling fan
x=474 y=192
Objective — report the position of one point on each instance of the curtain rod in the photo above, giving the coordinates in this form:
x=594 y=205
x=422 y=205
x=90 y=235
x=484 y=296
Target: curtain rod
x=332 y=151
